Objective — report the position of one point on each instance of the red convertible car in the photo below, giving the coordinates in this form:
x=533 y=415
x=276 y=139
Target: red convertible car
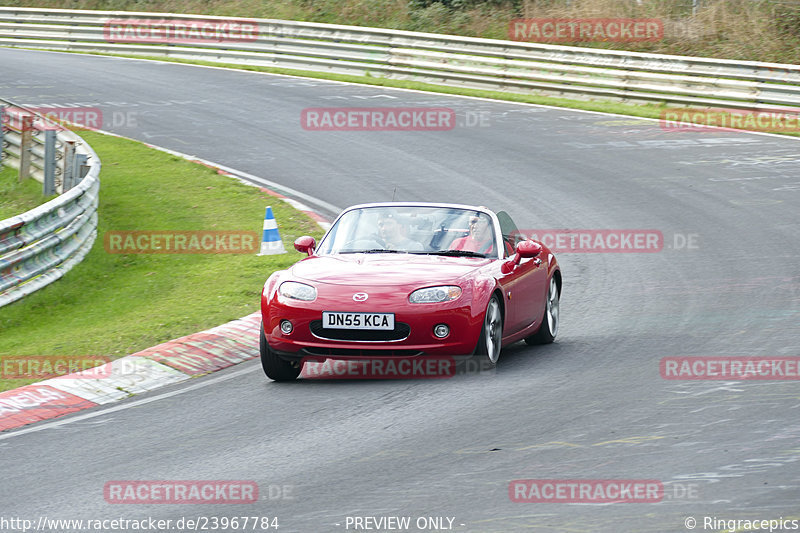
x=409 y=280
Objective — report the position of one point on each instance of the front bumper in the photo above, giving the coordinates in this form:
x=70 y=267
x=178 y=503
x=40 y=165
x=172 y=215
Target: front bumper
x=308 y=341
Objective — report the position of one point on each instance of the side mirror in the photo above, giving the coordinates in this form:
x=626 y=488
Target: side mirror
x=305 y=245
x=524 y=249
x=528 y=249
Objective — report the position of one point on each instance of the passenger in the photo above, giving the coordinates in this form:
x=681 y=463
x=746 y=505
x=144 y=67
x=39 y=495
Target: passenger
x=480 y=236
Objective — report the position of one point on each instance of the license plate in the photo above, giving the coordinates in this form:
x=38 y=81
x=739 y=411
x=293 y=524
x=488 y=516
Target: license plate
x=336 y=320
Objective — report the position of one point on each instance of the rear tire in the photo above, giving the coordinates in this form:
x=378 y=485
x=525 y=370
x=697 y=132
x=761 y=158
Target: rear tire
x=489 y=344
x=549 y=326
x=274 y=367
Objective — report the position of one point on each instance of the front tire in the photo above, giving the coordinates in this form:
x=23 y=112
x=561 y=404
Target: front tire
x=274 y=367
x=549 y=327
x=489 y=344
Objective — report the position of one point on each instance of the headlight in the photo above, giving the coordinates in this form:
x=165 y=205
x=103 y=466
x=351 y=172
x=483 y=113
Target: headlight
x=298 y=291
x=431 y=295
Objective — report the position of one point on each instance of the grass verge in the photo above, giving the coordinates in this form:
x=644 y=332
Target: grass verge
x=115 y=304
x=16 y=197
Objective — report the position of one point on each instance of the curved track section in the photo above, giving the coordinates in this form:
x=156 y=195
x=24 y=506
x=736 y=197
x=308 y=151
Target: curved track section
x=591 y=406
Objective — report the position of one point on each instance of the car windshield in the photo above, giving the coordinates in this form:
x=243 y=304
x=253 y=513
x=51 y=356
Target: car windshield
x=412 y=229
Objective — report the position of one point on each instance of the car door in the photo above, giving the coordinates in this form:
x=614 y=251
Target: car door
x=524 y=286
x=524 y=289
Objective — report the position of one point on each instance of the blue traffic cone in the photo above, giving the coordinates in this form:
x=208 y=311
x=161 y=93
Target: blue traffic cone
x=271 y=241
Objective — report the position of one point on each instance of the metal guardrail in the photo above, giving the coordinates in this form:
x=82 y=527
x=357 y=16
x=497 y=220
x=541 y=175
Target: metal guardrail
x=40 y=246
x=519 y=67
x=31 y=145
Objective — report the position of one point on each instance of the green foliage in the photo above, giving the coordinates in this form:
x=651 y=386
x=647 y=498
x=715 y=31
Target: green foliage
x=16 y=197
x=787 y=20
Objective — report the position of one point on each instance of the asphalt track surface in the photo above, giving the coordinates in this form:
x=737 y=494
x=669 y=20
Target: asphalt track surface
x=591 y=406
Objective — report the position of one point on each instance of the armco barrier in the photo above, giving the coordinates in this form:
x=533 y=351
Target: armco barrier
x=41 y=245
x=438 y=59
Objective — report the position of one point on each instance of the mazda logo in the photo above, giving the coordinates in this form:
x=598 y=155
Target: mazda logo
x=360 y=296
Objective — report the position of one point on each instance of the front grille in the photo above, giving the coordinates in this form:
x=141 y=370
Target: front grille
x=342 y=352
x=400 y=332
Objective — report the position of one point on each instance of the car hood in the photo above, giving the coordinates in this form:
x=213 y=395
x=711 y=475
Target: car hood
x=385 y=269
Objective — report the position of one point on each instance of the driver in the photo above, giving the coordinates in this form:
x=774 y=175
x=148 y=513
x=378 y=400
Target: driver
x=393 y=233
x=479 y=238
